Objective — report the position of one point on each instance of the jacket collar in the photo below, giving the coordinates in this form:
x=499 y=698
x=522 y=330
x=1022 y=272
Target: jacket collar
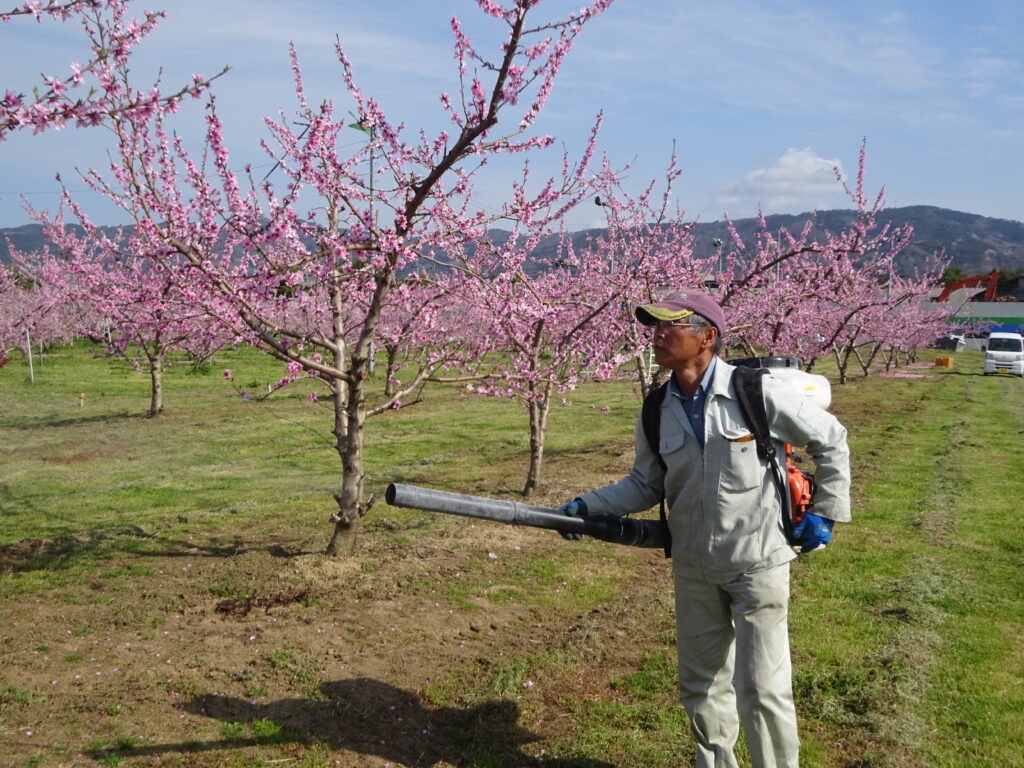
x=706 y=383
x=718 y=386
x=720 y=381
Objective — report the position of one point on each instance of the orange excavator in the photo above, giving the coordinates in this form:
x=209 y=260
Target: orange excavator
x=991 y=281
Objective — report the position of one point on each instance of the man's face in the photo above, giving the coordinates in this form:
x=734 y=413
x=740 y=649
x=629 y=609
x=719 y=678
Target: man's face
x=681 y=343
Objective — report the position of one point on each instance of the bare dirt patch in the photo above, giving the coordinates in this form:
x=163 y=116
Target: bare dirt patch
x=201 y=657
x=240 y=607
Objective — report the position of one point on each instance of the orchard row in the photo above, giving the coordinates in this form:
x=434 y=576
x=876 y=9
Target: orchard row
x=382 y=253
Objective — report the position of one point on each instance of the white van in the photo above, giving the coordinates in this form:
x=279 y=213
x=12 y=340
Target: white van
x=1004 y=353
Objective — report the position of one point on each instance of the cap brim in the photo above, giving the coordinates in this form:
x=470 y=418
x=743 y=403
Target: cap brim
x=649 y=314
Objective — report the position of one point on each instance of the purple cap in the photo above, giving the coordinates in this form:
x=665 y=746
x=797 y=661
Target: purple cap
x=681 y=304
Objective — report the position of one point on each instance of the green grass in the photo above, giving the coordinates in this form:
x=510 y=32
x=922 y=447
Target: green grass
x=905 y=631
x=263 y=732
x=106 y=463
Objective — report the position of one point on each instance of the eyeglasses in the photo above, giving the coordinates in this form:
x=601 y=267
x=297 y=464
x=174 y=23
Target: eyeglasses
x=664 y=326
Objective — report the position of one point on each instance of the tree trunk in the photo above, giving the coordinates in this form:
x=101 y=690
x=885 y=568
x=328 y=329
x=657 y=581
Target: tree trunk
x=642 y=374
x=860 y=361
x=389 y=380
x=876 y=350
x=349 y=430
x=842 y=360
x=349 y=399
x=156 y=377
x=866 y=363
x=344 y=539
x=539 y=410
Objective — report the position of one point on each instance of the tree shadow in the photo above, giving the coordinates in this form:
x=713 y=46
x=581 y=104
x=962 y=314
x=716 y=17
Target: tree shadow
x=371 y=718
x=103 y=418
x=62 y=551
x=980 y=374
x=227 y=547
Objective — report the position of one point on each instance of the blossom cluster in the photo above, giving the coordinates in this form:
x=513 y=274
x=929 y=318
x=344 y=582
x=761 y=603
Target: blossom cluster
x=97 y=90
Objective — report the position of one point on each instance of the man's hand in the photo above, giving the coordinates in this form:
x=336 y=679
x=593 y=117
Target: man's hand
x=573 y=508
x=813 y=532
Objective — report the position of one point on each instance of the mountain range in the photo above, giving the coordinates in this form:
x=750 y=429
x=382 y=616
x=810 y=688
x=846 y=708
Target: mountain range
x=977 y=244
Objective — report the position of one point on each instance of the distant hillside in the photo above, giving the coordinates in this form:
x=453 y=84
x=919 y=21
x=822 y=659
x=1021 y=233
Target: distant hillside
x=978 y=244
x=27 y=238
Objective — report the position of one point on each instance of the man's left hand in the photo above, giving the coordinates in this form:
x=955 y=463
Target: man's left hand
x=813 y=532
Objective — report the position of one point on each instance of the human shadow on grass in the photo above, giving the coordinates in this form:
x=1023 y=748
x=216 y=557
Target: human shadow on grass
x=371 y=718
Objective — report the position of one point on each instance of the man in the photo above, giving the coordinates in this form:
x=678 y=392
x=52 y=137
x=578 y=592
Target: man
x=730 y=558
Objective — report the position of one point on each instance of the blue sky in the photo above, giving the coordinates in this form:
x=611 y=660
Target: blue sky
x=759 y=98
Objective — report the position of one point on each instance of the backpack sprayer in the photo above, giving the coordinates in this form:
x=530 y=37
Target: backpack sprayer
x=813 y=388
x=794 y=485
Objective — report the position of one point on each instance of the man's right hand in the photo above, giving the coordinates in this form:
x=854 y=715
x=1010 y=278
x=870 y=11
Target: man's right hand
x=576 y=507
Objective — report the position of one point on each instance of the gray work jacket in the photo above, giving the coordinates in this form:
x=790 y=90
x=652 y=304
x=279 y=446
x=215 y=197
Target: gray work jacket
x=723 y=506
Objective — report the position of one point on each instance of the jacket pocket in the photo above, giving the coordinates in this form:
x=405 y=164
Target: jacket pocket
x=741 y=468
x=672 y=442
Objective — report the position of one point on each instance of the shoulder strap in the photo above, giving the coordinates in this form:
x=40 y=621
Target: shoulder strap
x=750 y=395
x=650 y=420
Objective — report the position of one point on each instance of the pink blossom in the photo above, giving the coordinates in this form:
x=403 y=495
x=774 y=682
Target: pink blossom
x=112 y=36
x=323 y=293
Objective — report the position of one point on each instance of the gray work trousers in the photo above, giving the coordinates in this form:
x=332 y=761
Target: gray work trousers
x=734 y=667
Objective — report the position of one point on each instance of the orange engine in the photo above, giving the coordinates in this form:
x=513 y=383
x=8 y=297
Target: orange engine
x=801 y=487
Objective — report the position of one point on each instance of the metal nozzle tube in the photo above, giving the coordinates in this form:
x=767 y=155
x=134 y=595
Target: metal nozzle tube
x=619 y=530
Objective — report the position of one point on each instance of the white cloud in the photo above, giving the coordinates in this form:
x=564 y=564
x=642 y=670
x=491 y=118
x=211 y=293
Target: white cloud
x=798 y=181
